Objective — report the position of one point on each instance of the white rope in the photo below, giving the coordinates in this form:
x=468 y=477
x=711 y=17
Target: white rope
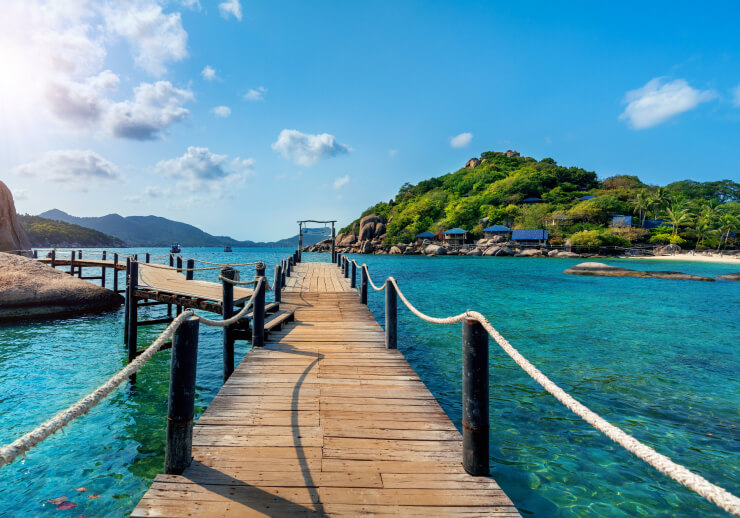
x=228 y=264
x=370 y=281
x=235 y=283
x=234 y=319
x=167 y=267
x=697 y=483
x=9 y=453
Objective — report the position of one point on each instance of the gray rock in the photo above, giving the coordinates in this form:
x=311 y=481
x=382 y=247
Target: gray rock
x=492 y=251
x=395 y=251
x=605 y=270
x=530 y=253
x=366 y=247
x=12 y=234
x=553 y=253
x=32 y=290
x=434 y=250
x=568 y=254
x=348 y=239
x=476 y=252
x=729 y=277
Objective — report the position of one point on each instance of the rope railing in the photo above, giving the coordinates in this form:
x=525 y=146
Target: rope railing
x=254 y=263
x=713 y=493
x=10 y=452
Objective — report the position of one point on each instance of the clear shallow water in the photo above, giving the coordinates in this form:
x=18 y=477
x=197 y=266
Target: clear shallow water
x=656 y=357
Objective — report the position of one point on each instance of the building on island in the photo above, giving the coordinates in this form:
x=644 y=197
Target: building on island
x=496 y=230
x=621 y=221
x=455 y=237
x=650 y=224
x=587 y=197
x=424 y=235
x=530 y=237
x=532 y=200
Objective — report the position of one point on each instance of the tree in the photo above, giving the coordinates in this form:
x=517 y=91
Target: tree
x=677 y=217
x=642 y=205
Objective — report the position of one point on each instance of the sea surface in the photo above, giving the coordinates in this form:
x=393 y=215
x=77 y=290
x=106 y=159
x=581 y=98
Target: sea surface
x=659 y=358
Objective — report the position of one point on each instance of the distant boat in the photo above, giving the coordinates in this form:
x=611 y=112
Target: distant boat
x=175 y=248
x=227 y=249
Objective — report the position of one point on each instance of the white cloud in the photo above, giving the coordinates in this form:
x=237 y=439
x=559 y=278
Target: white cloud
x=155 y=192
x=81 y=102
x=736 y=96
x=72 y=165
x=341 y=181
x=656 y=102
x=201 y=171
x=20 y=194
x=461 y=140
x=156 y=38
x=208 y=73
x=306 y=149
x=221 y=111
x=153 y=109
x=191 y=4
x=256 y=94
x=231 y=7
x=392 y=153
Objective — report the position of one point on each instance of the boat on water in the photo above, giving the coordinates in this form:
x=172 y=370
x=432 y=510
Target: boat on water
x=227 y=249
x=175 y=248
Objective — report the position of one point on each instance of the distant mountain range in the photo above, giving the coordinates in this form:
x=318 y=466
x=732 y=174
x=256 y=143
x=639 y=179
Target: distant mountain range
x=154 y=231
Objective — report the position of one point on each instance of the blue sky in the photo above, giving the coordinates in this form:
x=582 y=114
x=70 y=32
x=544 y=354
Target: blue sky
x=242 y=117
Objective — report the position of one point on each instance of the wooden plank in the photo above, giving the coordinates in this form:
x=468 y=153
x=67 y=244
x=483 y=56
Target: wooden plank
x=325 y=421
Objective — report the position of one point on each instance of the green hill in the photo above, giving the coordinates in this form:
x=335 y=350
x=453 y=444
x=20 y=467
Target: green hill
x=46 y=233
x=493 y=190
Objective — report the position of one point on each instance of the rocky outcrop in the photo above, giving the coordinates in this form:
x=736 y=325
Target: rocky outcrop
x=473 y=162
x=32 y=290
x=605 y=270
x=12 y=235
x=348 y=239
x=476 y=252
x=667 y=250
x=511 y=153
x=530 y=253
x=371 y=226
x=395 y=251
x=729 y=277
x=435 y=250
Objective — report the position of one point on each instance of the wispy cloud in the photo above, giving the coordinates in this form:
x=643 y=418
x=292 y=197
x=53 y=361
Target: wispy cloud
x=341 y=181
x=221 y=111
x=230 y=8
x=256 y=94
x=306 y=149
x=736 y=96
x=73 y=165
x=658 y=101
x=461 y=140
x=392 y=153
x=208 y=73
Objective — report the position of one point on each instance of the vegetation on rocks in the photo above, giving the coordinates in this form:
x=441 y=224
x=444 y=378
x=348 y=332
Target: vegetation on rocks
x=492 y=191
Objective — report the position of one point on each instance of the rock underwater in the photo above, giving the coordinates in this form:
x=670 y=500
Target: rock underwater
x=605 y=270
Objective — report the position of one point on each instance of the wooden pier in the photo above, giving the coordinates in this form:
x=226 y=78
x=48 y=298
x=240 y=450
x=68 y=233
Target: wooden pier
x=324 y=420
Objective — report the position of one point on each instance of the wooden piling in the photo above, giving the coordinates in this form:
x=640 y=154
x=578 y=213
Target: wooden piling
x=258 y=312
x=353 y=276
x=126 y=302
x=189 y=273
x=115 y=272
x=133 y=312
x=72 y=264
x=391 y=314
x=475 y=422
x=363 y=284
x=181 y=406
x=35 y=254
x=178 y=309
x=333 y=242
x=169 y=306
x=53 y=258
x=227 y=311
x=277 y=286
x=79 y=267
x=300 y=240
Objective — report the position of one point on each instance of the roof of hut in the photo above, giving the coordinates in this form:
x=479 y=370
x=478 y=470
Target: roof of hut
x=455 y=231
x=496 y=228
x=529 y=234
x=425 y=234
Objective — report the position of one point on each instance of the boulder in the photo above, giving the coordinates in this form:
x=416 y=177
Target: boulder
x=32 y=290
x=492 y=251
x=12 y=234
x=530 y=253
x=497 y=239
x=473 y=162
x=434 y=250
x=366 y=247
x=338 y=239
x=379 y=229
x=667 y=249
x=348 y=239
x=568 y=254
x=729 y=277
x=410 y=251
x=369 y=227
x=505 y=251
x=553 y=253
x=605 y=270
x=476 y=252
x=395 y=251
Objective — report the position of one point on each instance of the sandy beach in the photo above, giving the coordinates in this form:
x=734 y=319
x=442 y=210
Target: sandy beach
x=699 y=258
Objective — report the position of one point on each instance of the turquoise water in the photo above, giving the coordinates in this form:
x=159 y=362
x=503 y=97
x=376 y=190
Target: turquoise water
x=655 y=357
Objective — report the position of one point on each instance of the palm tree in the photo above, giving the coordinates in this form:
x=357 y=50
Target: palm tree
x=677 y=217
x=728 y=223
x=660 y=200
x=703 y=230
x=642 y=205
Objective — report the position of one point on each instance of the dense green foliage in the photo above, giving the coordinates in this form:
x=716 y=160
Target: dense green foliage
x=699 y=213
x=46 y=233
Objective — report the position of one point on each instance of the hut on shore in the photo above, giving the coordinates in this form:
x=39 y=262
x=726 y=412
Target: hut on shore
x=530 y=237
x=496 y=230
x=455 y=237
x=621 y=221
x=424 y=235
x=587 y=197
x=532 y=200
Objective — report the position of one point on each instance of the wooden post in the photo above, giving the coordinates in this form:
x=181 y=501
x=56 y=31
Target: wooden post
x=35 y=254
x=72 y=264
x=391 y=314
x=79 y=267
x=363 y=284
x=115 y=272
x=54 y=258
x=333 y=243
x=178 y=309
x=339 y=260
x=147 y=258
x=300 y=240
x=181 y=407
x=353 y=277
x=169 y=306
x=258 y=312
x=475 y=423
x=277 y=287
x=282 y=273
x=190 y=272
x=346 y=268
x=126 y=302
x=102 y=270
x=227 y=311
x=133 y=312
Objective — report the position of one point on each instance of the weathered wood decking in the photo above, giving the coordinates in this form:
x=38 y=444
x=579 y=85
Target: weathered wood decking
x=324 y=420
